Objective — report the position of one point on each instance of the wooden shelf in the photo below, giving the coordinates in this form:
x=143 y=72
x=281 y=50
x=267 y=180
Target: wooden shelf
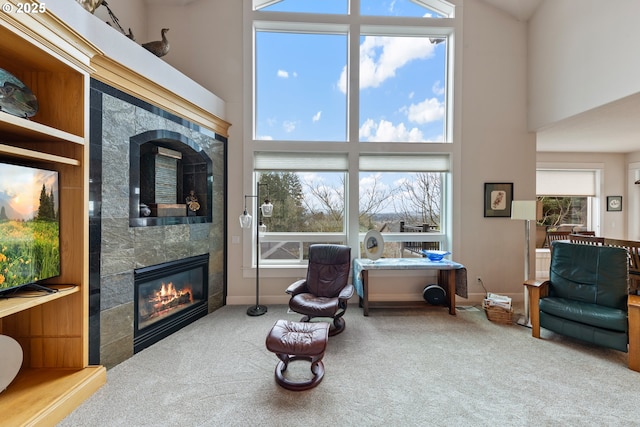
x=27 y=299
x=18 y=129
x=46 y=396
x=24 y=153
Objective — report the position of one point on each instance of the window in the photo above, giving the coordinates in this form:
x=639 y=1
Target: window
x=344 y=108
x=294 y=100
x=568 y=197
x=407 y=8
x=392 y=107
x=559 y=211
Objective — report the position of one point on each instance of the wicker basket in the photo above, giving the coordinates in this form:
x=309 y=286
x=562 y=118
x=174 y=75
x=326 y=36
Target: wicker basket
x=499 y=315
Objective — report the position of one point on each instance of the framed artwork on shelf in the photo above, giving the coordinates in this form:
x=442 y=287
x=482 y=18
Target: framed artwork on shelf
x=614 y=203
x=497 y=199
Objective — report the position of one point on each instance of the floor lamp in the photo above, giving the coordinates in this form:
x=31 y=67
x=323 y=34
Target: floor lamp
x=525 y=210
x=266 y=210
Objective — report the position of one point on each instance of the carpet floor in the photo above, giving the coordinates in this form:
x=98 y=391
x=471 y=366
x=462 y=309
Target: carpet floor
x=395 y=367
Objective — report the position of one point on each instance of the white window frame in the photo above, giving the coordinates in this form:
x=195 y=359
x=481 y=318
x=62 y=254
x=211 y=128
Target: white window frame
x=352 y=149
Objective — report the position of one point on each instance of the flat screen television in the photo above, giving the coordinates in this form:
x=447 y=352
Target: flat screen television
x=29 y=226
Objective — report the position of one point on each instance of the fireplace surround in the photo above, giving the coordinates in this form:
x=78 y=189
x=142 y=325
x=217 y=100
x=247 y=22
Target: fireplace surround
x=167 y=297
x=122 y=243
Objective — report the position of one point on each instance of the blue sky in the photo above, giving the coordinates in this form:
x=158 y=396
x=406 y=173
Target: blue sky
x=301 y=85
x=20 y=195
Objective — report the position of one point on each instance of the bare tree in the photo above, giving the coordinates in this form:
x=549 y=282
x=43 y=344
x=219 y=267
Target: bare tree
x=372 y=200
x=325 y=205
x=418 y=200
x=326 y=202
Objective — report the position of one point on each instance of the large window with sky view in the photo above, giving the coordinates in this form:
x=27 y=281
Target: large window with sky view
x=351 y=122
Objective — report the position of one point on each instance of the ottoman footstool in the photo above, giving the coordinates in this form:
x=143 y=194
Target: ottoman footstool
x=298 y=341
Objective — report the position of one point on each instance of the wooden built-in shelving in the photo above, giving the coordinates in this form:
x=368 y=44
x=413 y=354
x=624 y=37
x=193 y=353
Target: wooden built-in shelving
x=15 y=128
x=24 y=300
x=24 y=153
x=51 y=328
x=45 y=396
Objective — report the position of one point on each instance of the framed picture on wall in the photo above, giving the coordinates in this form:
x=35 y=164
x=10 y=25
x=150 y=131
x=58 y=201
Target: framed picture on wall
x=614 y=203
x=497 y=199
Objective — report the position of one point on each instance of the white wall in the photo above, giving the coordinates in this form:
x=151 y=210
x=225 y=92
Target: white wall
x=495 y=146
x=491 y=140
x=582 y=56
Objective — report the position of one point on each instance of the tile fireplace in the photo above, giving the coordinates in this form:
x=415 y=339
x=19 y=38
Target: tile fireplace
x=124 y=244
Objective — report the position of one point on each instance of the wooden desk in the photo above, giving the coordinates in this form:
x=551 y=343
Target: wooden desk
x=446 y=278
x=634 y=332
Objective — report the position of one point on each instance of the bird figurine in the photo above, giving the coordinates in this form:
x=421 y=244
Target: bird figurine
x=90 y=5
x=160 y=47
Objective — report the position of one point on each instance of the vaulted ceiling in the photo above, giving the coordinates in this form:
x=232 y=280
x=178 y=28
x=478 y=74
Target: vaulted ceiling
x=522 y=10
x=612 y=128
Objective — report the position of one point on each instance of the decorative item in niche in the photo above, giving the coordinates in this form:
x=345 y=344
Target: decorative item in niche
x=192 y=203
x=15 y=97
x=497 y=199
x=614 y=203
x=160 y=47
x=144 y=210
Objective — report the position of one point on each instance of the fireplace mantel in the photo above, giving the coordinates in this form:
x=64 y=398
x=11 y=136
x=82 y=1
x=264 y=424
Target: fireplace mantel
x=125 y=65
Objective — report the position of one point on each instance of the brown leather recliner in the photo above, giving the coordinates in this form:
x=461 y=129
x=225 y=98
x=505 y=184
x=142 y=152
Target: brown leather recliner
x=326 y=290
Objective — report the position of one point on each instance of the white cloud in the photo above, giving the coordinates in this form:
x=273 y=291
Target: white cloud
x=429 y=110
x=385 y=131
x=316 y=116
x=381 y=57
x=289 y=126
x=264 y=138
x=310 y=177
x=283 y=74
x=400 y=182
x=342 y=80
x=437 y=88
x=371 y=181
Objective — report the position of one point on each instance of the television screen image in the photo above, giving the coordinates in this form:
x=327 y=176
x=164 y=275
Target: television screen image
x=29 y=226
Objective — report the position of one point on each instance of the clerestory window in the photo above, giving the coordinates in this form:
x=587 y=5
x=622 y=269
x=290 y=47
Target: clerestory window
x=351 y=119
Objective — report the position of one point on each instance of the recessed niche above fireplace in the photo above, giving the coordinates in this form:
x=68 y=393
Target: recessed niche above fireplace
x=168 y=172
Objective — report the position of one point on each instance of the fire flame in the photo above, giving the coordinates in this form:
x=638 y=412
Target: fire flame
x=168 y=296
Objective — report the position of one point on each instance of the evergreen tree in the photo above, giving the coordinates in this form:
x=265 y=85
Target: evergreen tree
x=285 y=192
x=46 y=208
x=3 y=214
x=52 y=206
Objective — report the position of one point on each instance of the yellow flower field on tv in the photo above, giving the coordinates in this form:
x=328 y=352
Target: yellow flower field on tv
x=29 y=251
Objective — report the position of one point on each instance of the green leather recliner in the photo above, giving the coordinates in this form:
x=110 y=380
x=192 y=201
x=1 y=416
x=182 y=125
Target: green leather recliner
x=585 y=296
